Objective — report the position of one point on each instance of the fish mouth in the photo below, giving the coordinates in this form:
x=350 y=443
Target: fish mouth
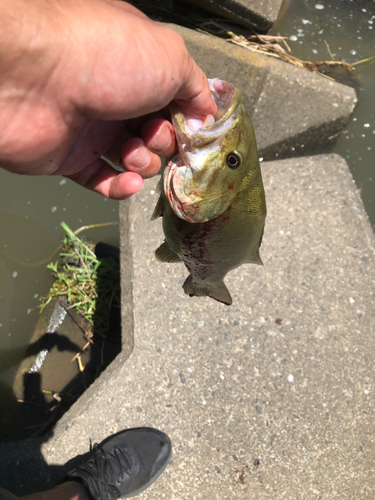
x=193 y=133
x=198 y=136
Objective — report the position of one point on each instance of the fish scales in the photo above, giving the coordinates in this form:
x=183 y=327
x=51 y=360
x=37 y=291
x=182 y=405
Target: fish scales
x=212 y=198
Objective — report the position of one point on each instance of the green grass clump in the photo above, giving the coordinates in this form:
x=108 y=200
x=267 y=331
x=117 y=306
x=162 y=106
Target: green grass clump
x=91 y=286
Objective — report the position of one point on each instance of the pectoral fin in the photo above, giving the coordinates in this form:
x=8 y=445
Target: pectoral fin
x=158 y=210
x=165 y=253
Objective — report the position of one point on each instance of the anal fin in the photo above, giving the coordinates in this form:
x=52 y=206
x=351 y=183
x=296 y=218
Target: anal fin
x=188 y=286
x=220 y=293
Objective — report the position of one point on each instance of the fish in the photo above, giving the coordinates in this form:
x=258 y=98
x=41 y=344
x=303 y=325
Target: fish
x=212 y=198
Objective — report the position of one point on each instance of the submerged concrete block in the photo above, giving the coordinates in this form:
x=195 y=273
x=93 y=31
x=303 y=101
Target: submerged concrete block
x=259 y=14
x=293 y=110
x=57 y=338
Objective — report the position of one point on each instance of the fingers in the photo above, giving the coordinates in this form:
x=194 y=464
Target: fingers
x=94 y=138
x=142 y=154
x=138 y=158
x=105 y=180
x=159 y=136
x=139 y=155
x=140 y=148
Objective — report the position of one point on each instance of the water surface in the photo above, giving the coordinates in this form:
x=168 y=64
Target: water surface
x=31 y=210
x=348 y=27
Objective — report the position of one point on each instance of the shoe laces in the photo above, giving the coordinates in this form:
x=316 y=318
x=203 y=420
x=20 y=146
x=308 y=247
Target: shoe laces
x=105 y=470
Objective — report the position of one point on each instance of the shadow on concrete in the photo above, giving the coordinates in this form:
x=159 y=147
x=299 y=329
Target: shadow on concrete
x=23 y=469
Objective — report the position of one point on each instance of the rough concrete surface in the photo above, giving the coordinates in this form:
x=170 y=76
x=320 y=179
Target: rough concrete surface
x=260 y=14
x=271 y=397
x=293 y=110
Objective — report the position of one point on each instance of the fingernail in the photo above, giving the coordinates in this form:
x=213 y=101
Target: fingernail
x=140 y=158
x=162 y=141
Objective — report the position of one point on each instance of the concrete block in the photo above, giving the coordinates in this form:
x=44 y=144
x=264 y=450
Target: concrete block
x=56 y=339
x=271 y=397
x=293 y=110
x=259 y=14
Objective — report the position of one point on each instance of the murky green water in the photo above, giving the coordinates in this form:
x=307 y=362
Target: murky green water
x=31 y=209
x=349 y=29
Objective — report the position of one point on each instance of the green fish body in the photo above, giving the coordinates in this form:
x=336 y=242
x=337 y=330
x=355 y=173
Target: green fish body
x=212 y=198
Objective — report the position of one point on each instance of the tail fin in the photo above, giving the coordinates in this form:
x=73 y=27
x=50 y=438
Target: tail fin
x=220 y=293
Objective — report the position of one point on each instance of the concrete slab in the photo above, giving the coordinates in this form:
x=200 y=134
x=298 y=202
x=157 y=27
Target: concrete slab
x=259 y=14
x=271 y=397
x=293 y=110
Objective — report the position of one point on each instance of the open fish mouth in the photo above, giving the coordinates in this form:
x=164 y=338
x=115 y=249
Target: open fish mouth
x=193 y=133
x=198 y=140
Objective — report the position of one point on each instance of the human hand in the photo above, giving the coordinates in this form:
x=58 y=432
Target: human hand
x=85 y=78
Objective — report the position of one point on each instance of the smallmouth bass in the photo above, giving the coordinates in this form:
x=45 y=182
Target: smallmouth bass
x=212 y=198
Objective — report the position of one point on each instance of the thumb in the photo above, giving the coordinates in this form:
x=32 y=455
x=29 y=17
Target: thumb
x=194 y=96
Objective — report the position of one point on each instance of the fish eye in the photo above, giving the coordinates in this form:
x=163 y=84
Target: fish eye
x=234 y=160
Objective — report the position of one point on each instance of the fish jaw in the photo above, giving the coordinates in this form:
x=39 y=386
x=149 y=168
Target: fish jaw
x=185 y=187
x=197 y=181
x=174 y=177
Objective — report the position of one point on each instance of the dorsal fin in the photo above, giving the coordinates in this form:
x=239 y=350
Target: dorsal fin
x=165 y=253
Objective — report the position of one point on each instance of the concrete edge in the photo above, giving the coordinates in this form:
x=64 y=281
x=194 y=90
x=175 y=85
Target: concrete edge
x=234 y=11
x=126 y=271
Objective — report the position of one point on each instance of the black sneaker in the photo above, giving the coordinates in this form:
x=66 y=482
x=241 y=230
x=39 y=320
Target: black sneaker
x=124 y=464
